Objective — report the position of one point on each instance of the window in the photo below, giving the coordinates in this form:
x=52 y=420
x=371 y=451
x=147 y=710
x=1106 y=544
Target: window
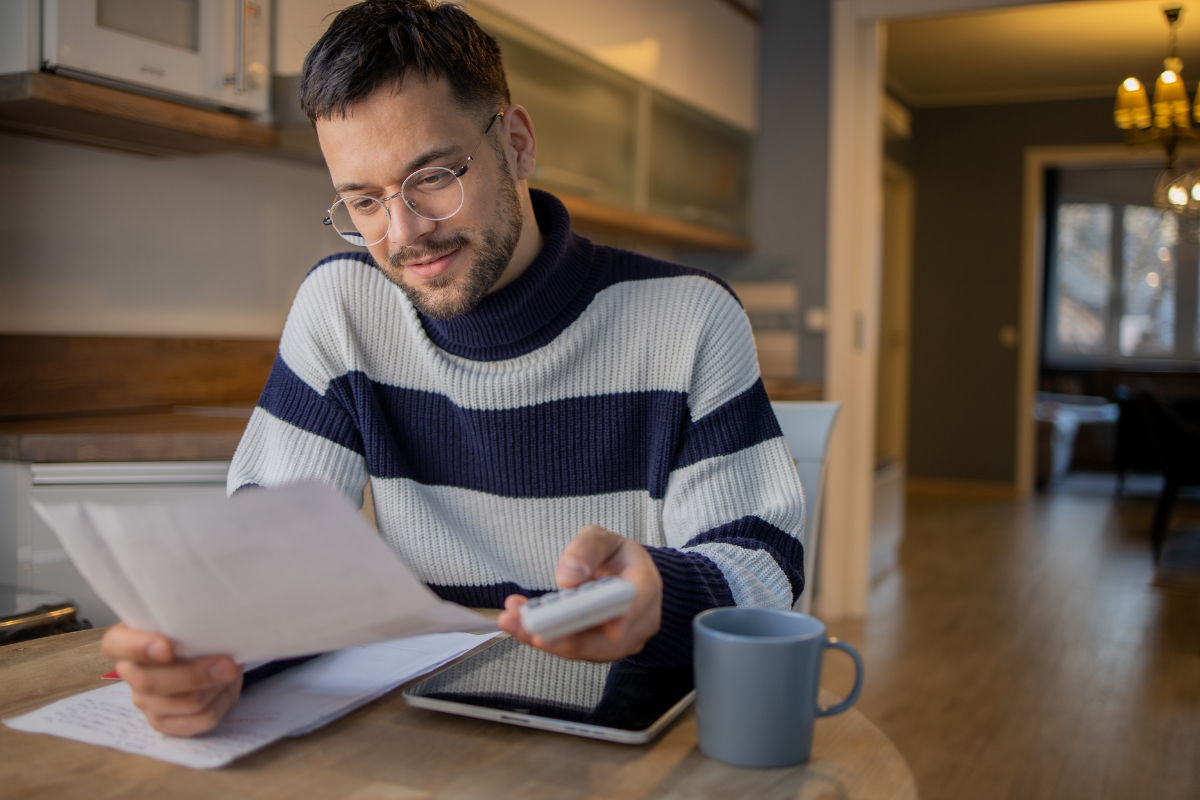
x=1121 y=282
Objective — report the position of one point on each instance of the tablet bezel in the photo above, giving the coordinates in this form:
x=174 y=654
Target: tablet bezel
x=619 y=735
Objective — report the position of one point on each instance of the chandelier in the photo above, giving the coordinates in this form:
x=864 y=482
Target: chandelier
x=1167 y=123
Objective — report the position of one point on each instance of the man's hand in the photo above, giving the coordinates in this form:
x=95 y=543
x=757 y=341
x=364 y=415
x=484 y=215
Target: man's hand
x=595 y=553
x=180 y=697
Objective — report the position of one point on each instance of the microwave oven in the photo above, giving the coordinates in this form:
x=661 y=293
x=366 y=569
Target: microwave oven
x=211 y=53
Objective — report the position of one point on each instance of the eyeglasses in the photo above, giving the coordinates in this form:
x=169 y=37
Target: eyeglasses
x=432 y=193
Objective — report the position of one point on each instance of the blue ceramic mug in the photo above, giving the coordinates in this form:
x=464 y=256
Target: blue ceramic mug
x=757 y=675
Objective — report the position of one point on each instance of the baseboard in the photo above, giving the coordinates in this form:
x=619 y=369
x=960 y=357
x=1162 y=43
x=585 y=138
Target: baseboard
x=950 y=487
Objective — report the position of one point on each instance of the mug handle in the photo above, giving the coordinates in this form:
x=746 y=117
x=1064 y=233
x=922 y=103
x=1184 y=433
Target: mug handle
x=838 y=644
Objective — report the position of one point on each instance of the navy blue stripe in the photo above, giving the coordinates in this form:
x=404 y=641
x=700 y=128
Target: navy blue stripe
x=755 y=533
x=294 y=401
x=743 y=422
x=629 y=266
x=564 y=448
x=488 y=596
x=691 y=584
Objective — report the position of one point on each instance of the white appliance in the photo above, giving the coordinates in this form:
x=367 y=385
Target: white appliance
x=212 y=53
x=31 y=555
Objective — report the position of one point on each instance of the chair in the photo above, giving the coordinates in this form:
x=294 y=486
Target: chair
x=806 y=429
x=1176 y=441
x=1135 y=449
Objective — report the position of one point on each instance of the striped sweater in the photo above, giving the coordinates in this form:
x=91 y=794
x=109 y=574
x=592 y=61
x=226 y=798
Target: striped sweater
x=600 y=387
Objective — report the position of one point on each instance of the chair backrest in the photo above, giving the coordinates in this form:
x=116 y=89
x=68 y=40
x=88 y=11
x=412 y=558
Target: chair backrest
x=807 y=428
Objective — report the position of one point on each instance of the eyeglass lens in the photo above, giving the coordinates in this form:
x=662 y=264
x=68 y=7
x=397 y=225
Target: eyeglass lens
x=434 y=193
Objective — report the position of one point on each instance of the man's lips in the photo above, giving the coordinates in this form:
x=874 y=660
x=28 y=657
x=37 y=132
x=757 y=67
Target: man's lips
x=432 y=267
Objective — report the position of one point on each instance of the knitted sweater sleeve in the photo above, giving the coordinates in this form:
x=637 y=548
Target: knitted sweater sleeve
x=734 y=510
x=303 y=428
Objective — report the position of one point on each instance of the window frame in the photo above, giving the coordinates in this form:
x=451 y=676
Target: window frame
x=1186 y=355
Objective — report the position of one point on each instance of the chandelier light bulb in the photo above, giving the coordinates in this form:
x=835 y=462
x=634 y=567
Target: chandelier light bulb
x=1196 y=192
x=1171 y=106
x=1177 y=196
x=1133 y=106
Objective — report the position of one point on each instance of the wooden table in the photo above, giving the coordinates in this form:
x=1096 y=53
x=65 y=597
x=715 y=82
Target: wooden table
x=389 y=751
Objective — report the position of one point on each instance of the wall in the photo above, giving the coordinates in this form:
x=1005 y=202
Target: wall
x=98 y=242
x=966 y=275
x=791 y=178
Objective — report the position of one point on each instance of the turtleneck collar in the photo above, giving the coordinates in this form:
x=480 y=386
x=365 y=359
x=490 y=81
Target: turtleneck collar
x=537 y=306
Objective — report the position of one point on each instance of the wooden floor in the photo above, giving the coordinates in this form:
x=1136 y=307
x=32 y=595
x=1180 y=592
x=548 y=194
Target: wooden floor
x=1019 y=650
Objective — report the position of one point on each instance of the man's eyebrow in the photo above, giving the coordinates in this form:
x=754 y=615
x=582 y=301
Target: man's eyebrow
x=436 y=154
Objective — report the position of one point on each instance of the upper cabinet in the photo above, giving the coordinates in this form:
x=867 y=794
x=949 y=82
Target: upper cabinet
x=585 y=116
x=606 y=137
x=699 y=167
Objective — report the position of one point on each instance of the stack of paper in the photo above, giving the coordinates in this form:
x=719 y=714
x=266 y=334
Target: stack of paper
x=291 y=703
x=266 y=574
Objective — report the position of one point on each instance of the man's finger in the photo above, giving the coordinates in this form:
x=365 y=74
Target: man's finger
x=176 y=705
x=182 y=676
x=201 y=721
x=122 y=643
x=582 y=557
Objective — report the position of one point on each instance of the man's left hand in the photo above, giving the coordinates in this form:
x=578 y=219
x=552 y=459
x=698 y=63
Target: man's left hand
x=595 y=553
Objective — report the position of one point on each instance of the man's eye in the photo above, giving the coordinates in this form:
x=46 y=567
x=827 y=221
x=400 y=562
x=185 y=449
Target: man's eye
x=365 y=206
x=435 y=180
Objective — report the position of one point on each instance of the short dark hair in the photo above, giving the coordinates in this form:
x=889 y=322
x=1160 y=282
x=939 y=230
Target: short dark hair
x=378 y=42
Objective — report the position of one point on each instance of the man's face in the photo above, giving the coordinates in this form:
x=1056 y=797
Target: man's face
x=445 y=267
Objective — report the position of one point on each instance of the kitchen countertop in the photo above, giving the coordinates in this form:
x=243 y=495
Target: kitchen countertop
x=185 y=433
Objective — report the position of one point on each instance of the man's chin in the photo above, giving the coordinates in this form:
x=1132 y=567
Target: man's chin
x=439 y=298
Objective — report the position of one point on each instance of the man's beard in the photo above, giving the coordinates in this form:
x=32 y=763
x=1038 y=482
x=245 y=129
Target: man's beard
x=495 y=251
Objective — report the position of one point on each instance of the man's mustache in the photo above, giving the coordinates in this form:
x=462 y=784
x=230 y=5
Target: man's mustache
x=428 y=250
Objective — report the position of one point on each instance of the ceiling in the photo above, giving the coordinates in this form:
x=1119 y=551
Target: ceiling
x=1054 y=51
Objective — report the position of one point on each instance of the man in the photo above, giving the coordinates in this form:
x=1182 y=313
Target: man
x=532 y=411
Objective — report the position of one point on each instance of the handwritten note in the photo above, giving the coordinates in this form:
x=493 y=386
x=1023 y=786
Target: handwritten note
x=291 y=703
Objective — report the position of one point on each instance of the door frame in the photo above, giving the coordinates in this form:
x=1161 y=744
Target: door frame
x=1033 y=272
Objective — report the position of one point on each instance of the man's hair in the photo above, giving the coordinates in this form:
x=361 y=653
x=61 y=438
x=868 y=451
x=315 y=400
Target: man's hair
x=380 y=42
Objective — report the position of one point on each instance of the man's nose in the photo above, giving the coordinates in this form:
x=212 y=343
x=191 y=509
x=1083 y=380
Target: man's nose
x=405 y=228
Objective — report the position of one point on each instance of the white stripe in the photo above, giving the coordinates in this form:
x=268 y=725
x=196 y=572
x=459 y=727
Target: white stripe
x=347 y=316
x=461 y=537
x=759 y=481
x=276 y=453
x=754 y=577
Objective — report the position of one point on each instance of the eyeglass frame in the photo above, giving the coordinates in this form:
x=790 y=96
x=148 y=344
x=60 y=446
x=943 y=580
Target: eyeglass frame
x=328 y=221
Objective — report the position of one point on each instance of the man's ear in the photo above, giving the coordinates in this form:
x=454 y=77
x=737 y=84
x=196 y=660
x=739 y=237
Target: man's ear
x=522 y=143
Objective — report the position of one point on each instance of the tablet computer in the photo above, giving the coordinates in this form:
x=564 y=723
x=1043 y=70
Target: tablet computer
x=516 y=684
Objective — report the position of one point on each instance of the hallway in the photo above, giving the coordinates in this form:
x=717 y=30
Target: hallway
x=1019 y=650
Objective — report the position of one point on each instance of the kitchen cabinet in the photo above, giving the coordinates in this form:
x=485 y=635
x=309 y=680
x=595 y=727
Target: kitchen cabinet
x=607 y=138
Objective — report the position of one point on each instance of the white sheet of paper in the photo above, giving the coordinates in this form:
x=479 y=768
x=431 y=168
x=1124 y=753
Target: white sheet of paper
x=291 y=703
x=266 y=574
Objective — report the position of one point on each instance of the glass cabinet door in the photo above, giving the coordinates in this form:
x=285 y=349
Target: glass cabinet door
x=699 y=167
x=585 y=121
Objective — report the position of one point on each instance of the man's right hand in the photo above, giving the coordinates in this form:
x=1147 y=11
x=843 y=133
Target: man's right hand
x=179 y=696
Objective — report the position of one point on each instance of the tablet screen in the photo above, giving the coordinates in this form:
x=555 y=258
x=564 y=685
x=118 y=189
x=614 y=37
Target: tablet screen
x=511 y=677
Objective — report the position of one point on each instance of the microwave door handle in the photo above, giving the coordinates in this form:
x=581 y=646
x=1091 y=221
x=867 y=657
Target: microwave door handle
x=239 y=48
